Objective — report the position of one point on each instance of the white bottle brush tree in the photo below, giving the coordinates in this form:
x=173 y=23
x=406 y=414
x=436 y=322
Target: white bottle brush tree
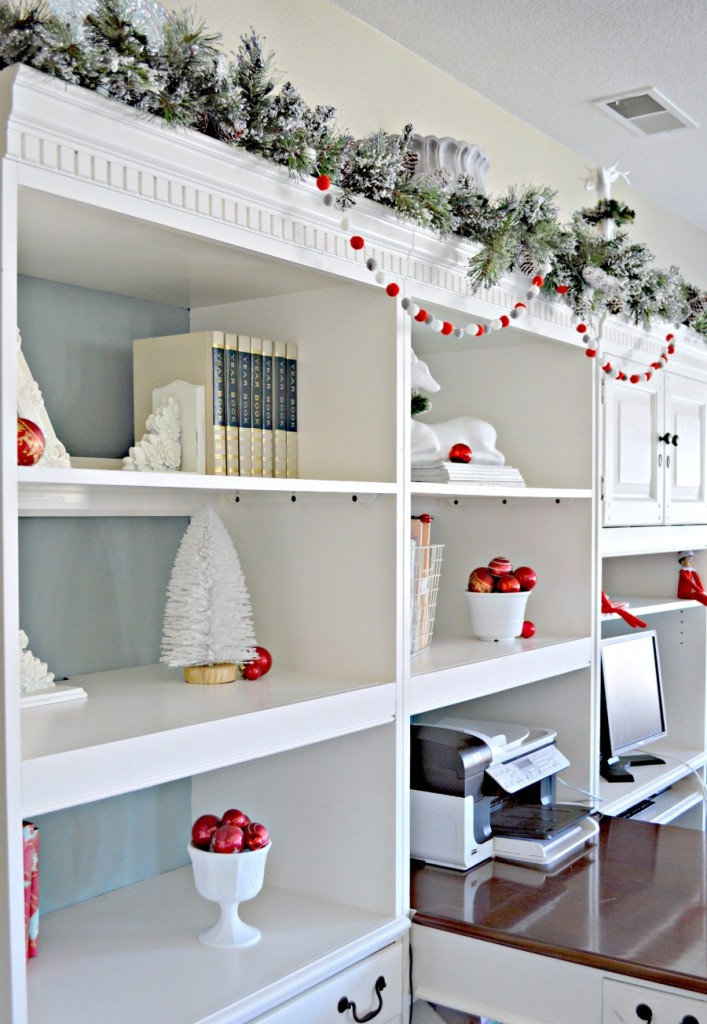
x=208 y=619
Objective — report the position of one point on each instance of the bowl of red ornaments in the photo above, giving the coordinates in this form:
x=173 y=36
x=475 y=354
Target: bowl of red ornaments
x=228 y=854
x=497 y=595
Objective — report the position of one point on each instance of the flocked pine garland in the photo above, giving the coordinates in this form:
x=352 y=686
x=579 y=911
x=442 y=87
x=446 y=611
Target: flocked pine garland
x=184 y=78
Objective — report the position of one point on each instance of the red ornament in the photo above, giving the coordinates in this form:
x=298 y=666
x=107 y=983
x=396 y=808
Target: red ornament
x=538 y=281
x=505 y=320
x=590 y=353
x=447 y=328
x=323 y=182
x=581 y=328
x=528 y=629
x=30 y=442
x=421 y=316
x=481 y=581
x=392 y=289
x=479 y=330
x=263 y=658
x=356 y=242
x=228 y=839
x=634 y=378
x=562 y=289
x=256 y=836
x=203 y=830
x=500 y=566
x=252 y=671
x=526 y=576
x=508 y=584
x=520 y=305
x=235 y=817
x=460 y=453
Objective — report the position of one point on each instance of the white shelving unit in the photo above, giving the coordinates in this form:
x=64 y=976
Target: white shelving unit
x=97 y=199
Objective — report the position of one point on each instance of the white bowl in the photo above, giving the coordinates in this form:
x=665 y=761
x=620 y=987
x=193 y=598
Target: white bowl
x=229 y=879
x=497 y=616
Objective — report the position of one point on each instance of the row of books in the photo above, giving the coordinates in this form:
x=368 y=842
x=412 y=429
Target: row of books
x=245 y=412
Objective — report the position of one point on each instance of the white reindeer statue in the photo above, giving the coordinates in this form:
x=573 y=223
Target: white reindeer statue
x=431 y=442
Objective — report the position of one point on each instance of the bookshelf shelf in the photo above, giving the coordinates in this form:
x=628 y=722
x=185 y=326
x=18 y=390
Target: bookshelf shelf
x=672 y=786
x=76 y=492
x=491 y=494
x=144 y=726
x=455 y=670
x=120 y=944
x=640 y=605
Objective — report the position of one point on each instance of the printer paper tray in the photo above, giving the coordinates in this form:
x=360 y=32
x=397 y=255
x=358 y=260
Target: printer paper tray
x=545 y=851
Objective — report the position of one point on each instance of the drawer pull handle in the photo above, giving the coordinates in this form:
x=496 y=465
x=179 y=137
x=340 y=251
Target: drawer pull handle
x=644 y=1012
x=346 y=1004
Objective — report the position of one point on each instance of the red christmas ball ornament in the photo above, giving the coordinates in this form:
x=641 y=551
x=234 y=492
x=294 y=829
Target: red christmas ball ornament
x=481 y=581
x=562 y=289
x=356 y=242
x=235 y=817
x=528 y=629
x=228 y=839
x=526 y=576
x=263 y=658
x=30 y=442
x=460 y=453
x=203 y=830
x=500 y=566
x=392 y=289
x=323 y=182
x=252 y=671
x=256 y=836
x=508 y=584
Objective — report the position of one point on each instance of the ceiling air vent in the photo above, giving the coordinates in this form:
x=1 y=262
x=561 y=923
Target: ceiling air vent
x=646 y=112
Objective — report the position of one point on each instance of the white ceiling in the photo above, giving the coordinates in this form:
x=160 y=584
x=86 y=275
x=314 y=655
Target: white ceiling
x=546 y=61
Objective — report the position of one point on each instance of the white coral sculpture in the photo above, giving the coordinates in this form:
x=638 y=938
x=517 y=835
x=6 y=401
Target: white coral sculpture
x=160 y=449
x=33 y=672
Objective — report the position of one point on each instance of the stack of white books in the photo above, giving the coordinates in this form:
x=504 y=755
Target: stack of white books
x=466 y=472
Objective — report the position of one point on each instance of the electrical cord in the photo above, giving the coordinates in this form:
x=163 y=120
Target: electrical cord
x=685 y=764
x=578 y=789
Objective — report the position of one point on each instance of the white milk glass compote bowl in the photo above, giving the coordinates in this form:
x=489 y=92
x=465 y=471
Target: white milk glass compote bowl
x=229 y=879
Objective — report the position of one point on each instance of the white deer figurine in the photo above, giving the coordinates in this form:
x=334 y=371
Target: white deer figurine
x=431 y=442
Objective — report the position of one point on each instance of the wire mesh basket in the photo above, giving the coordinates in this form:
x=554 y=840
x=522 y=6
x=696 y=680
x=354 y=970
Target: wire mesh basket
x=425 y=576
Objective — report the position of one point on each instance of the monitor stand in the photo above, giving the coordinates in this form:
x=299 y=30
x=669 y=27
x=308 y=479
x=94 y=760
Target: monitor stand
x=615 y=769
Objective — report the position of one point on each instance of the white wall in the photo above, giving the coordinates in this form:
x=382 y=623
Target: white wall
x=332 y=58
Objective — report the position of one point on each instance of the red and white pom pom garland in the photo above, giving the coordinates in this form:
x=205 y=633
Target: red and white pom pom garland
x=445 y=327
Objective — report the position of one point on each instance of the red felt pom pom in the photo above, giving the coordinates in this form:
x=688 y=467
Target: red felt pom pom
x=562 y=289
x=669 y=337
x=520 y=305
x=356 y=242
x=425 y=517
x=621 y=375
x=421 y=316
x=581 y=328
x=323 y=182
x=634 y=378
x=392 y=289
x=590 y=353
x=538 y=281
x=606 y=367
x=505 y=320
x=479 y=330
x=649 y=375
x=656 y=366
x=447 y=328
x=671 y=349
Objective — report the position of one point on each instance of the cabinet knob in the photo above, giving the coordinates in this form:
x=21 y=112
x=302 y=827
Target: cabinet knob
x=665 y=437
x=675 y=440
x=346 y=1004
x=644 y=1012
x=689 y=1019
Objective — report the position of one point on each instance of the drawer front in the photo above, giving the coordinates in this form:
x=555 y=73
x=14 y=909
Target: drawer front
x=357 y=985
x=626 y=1003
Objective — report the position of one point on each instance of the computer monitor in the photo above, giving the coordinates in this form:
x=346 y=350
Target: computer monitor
x=633 y=709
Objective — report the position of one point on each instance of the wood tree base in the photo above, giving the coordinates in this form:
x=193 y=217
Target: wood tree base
x=225 y=672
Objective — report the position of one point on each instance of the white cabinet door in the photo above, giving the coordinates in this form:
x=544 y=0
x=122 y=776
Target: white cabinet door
x=633 y=483
x=684 y=449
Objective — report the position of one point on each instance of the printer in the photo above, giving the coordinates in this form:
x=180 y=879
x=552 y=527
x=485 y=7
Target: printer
x=487 y=789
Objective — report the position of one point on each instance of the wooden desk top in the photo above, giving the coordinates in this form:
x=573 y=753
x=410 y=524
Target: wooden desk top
x=635 y=903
